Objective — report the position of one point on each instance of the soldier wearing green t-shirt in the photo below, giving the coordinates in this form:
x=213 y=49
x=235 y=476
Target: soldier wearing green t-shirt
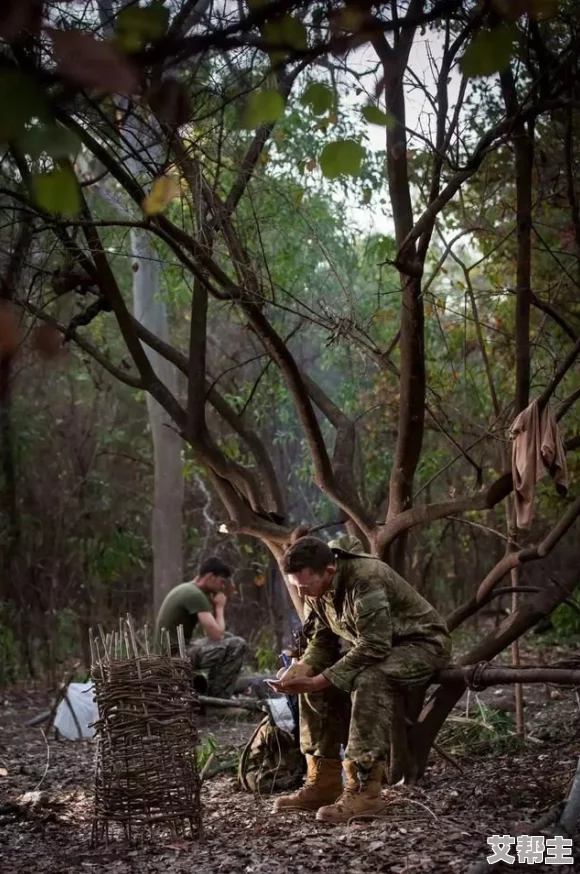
x=203 y=601
x=397 y=640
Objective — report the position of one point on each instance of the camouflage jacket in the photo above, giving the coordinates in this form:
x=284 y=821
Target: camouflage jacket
x=379 y=610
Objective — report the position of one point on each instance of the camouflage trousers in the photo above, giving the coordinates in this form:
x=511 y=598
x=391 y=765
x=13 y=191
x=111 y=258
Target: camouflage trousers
x=362 y=720
x=223 y=659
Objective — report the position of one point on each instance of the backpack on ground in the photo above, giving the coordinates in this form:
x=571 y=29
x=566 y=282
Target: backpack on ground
x=271 y=761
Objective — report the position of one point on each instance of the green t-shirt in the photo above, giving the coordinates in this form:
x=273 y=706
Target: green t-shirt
x=180 y=607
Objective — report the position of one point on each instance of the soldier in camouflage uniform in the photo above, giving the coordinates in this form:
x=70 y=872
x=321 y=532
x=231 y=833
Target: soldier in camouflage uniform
x=396 y=640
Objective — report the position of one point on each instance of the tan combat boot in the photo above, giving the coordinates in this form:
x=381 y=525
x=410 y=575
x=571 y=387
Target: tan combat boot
x=323 y=785
x=356 y=799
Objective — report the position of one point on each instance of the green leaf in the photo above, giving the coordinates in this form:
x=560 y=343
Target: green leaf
x=374 y=115
x=298 y=197
x=262 y=107
x=136 y=26
x=286 y=31
x=163 y=191
x=319 y=97
x=50 y=139
x=57 y=191
x=21 y=100
x=341 y=158
x=489 y=52
x=385 y=249
x=367 y=194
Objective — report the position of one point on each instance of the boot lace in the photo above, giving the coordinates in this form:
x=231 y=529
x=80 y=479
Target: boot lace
x=311 y=778
x=347 y=794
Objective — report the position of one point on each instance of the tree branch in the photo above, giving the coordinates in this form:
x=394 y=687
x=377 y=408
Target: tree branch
x=512 y=560
x=499 y=676
x=254 y=443
x=345 y=442
x=483 y=500
x=412 y=381
x=522 y=140
x=441 y=704
x=493 y=138
x=554 y=315
x=120 y=374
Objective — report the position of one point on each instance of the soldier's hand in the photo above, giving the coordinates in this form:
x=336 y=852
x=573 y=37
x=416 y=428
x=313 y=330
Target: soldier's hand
x=219 y=600
x=298 y=669
x=300 y=685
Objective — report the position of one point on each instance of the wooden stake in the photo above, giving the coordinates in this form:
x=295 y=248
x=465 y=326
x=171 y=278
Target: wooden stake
x=181 y=641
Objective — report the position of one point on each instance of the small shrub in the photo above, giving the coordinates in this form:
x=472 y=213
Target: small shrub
x=566 y=622
x=10 y=667
x=265 y=655
x=207 y=748
x=488 y=731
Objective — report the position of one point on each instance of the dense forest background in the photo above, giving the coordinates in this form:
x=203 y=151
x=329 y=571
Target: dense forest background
x=270 y=265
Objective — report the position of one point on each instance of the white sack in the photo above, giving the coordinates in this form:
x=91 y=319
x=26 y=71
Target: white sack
x=81 y=699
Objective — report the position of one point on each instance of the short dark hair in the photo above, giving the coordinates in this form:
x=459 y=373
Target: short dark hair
x=307 y=552
x=216 y=566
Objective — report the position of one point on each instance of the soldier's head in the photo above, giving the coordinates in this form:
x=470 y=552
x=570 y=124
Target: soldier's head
x=214 y=576
x=309 y=565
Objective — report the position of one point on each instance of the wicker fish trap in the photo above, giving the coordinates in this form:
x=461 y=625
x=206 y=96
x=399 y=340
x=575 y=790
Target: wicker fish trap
x=146 y=774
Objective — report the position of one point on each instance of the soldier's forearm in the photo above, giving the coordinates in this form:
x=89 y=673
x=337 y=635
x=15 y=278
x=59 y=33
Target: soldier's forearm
x=321 y=653
x=220 y=618
x=344 y=672
x=320 y=682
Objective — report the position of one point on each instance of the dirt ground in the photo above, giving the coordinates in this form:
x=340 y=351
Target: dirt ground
x=439 y=826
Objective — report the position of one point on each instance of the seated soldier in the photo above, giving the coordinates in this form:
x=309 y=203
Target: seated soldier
x=397 y=640
x=203 y=600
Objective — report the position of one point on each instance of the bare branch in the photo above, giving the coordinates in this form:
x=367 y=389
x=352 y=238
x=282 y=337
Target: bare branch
x=119 y=373
x=554 y=315
x=512 y=560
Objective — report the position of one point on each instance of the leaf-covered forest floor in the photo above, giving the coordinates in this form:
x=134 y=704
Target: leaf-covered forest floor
x=436 y=827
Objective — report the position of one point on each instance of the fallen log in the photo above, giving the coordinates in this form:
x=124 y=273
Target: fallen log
x=244 y=703
x=251 y=704
x=256 y=683
x=36 y=720
x=482 y=675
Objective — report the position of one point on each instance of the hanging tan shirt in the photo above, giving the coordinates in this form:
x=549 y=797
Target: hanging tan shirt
x=537 y=450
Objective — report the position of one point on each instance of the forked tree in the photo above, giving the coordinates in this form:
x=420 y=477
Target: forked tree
x=160 y=118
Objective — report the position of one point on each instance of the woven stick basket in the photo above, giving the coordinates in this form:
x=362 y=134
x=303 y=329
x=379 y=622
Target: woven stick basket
x=146 y=776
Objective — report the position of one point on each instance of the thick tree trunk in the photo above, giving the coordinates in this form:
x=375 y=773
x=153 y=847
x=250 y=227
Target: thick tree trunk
x=149 y=310
x=168 y=491
x=411 y=412
x=523 y=143
x=411 y=344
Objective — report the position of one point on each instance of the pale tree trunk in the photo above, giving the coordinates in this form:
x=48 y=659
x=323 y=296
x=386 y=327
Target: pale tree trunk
x=166 y=524
x=167 y=519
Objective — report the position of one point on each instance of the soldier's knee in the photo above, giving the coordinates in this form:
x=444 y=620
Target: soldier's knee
x=236 y=645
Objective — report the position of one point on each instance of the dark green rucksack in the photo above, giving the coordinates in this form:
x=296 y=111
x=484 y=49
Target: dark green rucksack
x=271 y=761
